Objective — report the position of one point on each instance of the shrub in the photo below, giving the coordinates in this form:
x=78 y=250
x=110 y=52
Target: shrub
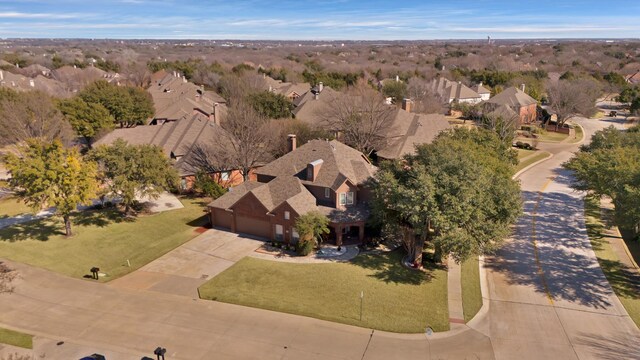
x=305 y=247
x=519 y=144
x=205 y=185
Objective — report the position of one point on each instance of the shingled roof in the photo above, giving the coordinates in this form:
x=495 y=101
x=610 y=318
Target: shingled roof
x=409 y=130
x=340 y=163
x=512 y=97
x=271 y=195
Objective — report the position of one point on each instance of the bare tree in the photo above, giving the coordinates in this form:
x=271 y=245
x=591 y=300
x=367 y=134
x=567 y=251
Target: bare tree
x=570 y=98
x=137 y=74
x=504 y=125
x=7 y=276
x=425 y=100
x=31 y=115
x=360 y=118
x=244 y=142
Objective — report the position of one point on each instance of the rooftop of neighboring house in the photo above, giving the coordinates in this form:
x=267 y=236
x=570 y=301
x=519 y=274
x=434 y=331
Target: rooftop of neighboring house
x=409 y=130
x=175 y=98
x=481 y=90
x=634 y=78
x=24 y=83
x=176 y=138
x=453 y=90
x=310 y=106
x=503 y=111
x=512 y=97
x=338 y=163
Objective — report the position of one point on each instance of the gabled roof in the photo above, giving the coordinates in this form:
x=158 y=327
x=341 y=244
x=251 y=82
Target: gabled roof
x=340 y=163
x=409 y=130
x=282 y=190
x=453 y=90
x=512 y=97
x=309 y=109
x=176 y=138
x=503 y=111
x=480 y=89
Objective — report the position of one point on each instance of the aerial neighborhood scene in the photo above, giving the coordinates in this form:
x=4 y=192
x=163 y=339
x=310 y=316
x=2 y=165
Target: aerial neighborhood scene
x=319 y=180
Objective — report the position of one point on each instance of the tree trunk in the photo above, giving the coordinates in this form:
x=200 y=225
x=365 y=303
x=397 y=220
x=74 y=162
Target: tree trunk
x=67 y=225
x=417 y=260
x=245 y=174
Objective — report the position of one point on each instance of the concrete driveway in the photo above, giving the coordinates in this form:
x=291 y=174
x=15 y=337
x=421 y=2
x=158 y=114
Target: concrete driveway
x=184 y=269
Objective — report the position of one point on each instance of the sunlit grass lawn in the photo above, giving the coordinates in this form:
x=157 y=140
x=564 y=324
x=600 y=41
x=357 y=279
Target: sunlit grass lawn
x=16 y=338
x=395 y=298
x=522 y=153
x=471 y=293
x=624 y=282
x=10 y=206
x=539 y=156
x=102 y=238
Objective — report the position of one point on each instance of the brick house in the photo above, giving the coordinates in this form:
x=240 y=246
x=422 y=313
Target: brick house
x=523 y=105
x=324 y=176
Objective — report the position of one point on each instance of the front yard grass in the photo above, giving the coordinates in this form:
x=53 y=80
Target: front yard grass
x=102 y=238
x=530 y=160
x=10 y=206
x=625 y=283
x=579 y=134
x=471 y=292
x=16 y=338
x=395 y=298
x=522 y=153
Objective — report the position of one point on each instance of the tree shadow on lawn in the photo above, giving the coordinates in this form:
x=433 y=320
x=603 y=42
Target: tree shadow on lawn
x=40 y=229
x=100 y=217
x=388 y=267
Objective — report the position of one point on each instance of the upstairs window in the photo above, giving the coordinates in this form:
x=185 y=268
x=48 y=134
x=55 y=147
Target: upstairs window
x=327 y=193
x=350 y=198
x=286 y=215
x=343 y=199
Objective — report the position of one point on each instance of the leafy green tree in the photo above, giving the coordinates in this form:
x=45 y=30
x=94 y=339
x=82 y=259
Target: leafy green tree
x=50 y=175
x=455 y=195
x=397 y=90
x=129 y=106
x=610 y=166
x=271 y=105
x=311 y=226
x=87 y=119
x=207 y=186
x=129 y=171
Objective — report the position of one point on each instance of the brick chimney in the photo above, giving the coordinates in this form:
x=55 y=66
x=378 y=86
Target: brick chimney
x=522 y=87
x=406 y=104
x=292 y=142
x=313 y=168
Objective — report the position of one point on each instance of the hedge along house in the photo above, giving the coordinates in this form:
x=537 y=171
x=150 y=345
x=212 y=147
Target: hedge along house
x=324 y=176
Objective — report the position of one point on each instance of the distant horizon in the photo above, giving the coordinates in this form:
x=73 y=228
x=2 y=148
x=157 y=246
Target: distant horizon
x=321 y=20
x=321 y=40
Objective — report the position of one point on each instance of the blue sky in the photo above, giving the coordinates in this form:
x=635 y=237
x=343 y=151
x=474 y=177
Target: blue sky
x=319 y=19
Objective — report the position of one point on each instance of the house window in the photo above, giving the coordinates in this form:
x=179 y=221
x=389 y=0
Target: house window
x=286 y=215
x=279 y=233
x=327 y=192
x=350 y=198
x=294 y=235
x=224 y=176
x=343 y=199
x=183 y=184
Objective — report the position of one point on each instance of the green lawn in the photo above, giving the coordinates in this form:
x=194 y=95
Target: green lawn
x=625 y=283
x=471 y=293
x=395 y=298
x=101 y=238
x=579 y=134
x=16 y=338
x=551 y=136
x=522 y=153
x=10 y=206
x=523 y=164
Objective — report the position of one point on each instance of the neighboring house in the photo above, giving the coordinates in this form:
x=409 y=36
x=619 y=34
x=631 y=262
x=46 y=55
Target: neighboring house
x=291 y=91
x=518 y=101
x=24 y=83
x=453 y=91
x=634 y=79
x=175 y=98
x=310 y=106
x=186 y=117
x=485 y=94
x=324 y=176
x=409 y=130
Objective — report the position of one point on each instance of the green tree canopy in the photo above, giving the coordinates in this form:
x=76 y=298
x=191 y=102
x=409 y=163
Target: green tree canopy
x=87 y=119
x=311 y=226
x=271 y=105
x=129 y=106
x=134 y=170
x=610 y=166
x=397 y=90
x=455 y=195
x=50 y=175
